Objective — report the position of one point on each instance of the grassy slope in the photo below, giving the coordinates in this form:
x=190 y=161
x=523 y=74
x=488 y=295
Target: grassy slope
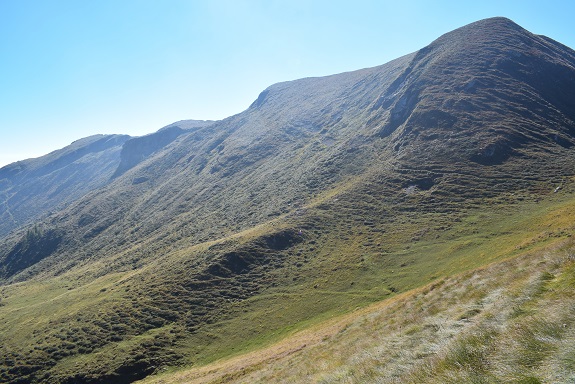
x=510 y=320
x=351 y=256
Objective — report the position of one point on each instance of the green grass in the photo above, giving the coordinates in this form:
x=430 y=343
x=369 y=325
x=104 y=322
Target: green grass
x=402 y=339
x=281 y=311
x=350 y=258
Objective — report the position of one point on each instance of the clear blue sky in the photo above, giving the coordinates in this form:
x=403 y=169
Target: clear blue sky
x=73 y=68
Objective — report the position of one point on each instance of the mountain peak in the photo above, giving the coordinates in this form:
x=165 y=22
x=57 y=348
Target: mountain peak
x=484 y=34
x=493 y=22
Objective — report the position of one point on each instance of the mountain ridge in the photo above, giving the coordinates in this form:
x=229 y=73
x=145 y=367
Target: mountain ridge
x=30 y=188
x=332 y=190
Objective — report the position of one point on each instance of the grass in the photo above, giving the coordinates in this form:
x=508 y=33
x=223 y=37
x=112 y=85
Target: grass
x=347 y=258
x=75 y=323
x=449 y=330
x=399 y=341
x=356 y=244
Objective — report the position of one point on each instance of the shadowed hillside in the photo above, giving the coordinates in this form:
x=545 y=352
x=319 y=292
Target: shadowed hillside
x=325 y=195
x=31 y=188
x=136 y=150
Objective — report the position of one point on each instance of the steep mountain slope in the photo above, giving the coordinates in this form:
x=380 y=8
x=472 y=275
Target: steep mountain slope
x=31 y=188
x=305 y=205
x=138 y=149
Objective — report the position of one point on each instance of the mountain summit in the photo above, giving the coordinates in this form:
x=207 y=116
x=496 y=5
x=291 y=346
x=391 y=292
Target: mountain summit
x=306 y=204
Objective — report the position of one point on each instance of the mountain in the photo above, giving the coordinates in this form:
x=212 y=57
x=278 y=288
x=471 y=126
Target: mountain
x=326 y=194
x=31 y=188
x=138 y=149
